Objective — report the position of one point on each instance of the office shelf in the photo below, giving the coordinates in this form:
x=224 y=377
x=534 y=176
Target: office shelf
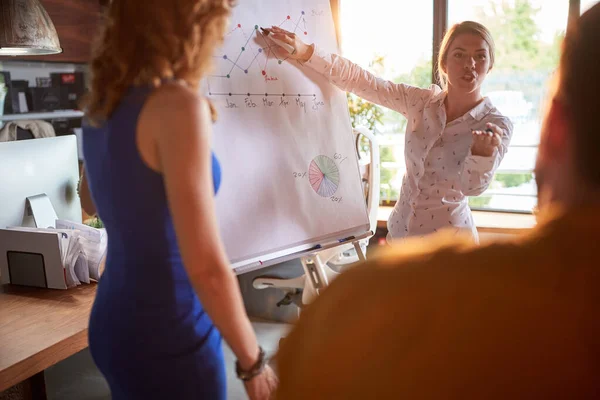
x=43 y=115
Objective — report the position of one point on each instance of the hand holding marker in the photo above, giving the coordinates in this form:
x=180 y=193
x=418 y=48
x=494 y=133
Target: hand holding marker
x=485 y=142
x=290 y=43
x=287 y=47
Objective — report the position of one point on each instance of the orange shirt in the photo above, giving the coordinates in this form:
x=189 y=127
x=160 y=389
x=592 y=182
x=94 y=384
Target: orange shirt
x=514 y=319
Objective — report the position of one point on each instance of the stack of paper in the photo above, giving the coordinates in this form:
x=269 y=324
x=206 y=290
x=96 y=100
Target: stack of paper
x=82 y=249
x=94 y=242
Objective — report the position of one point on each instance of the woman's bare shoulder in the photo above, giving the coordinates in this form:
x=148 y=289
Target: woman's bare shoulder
x=176 y=108
x=173 y=97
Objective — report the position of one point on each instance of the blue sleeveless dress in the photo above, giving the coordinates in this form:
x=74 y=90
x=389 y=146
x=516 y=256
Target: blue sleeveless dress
x=148 y=334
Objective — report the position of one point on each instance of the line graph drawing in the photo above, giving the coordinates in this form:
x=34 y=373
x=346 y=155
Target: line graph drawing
x=324 y=176
x=263 y=94
x=252 y=56
x=301 y=18
x=243 y=49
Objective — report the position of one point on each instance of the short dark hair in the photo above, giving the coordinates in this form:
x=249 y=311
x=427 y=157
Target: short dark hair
x=579 y=90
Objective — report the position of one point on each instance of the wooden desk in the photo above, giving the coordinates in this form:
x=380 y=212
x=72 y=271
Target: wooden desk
x=39 y=328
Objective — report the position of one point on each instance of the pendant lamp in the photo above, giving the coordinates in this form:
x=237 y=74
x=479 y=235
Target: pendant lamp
x=26 y=29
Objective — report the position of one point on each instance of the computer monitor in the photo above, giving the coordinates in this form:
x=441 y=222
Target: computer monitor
x=35 y=167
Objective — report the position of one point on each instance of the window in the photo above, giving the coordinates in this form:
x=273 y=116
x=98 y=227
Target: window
x=373 y=39
x=586 y=4
x=527 y=34
x=394 y=39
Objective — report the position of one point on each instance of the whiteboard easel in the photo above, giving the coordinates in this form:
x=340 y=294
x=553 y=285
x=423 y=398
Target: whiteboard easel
x=302 y=252
x=317 y=274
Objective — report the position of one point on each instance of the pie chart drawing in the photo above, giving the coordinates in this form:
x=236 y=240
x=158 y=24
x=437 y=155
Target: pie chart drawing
x=324 y=176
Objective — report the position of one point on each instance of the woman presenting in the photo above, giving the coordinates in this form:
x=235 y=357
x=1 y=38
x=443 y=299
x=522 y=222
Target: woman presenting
x=455 y=137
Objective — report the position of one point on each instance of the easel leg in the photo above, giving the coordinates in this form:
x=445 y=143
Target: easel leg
x=316 y=277
x=359 y=251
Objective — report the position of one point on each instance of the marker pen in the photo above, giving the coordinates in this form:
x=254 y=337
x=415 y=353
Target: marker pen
x=286 y=46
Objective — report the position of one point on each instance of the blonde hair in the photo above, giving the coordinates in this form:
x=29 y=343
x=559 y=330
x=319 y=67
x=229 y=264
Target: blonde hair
x=145 y=42
x=465 y=27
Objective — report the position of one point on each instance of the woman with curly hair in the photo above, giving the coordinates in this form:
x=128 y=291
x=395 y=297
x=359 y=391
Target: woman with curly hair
x=167 y=292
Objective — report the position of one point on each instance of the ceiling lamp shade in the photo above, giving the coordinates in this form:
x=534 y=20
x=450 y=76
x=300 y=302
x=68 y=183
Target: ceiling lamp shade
x=26 y=29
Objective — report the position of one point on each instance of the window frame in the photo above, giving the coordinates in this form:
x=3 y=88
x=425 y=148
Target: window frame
x=440 y=26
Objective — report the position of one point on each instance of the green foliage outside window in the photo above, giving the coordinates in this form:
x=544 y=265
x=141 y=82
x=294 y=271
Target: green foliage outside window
x=517 y=36
x=369 y=115
x=523 y=60
x=513 y=180
x=362 y=112
x=479 y=202
x=419 y=76
x=387 y=191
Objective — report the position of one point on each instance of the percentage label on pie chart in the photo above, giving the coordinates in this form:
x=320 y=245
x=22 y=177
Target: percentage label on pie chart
x=324 y=176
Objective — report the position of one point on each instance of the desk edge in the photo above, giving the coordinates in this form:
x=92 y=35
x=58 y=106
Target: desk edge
x=42 y=360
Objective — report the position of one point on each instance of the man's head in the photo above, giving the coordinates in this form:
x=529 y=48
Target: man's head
x=568 y=164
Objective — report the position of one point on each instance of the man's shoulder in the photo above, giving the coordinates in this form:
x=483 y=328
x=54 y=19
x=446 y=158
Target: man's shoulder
x=443 y=262
x=444 y=247
x=394 y=297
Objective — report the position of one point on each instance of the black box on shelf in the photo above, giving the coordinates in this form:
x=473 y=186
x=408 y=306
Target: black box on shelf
x=19 y=91
x=72 y=88
x=45 y=99
x=65 y=126
x=43 y=81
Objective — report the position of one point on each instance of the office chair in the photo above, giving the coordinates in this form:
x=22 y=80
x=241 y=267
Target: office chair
x=322 y=267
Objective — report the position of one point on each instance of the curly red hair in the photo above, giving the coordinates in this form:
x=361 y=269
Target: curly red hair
x=145 y=42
